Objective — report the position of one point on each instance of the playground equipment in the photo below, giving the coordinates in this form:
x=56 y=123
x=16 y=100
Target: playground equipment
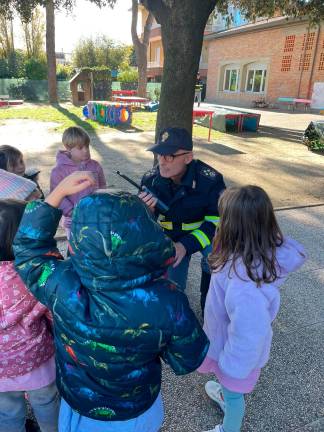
x=227 y=120
x=108 y=113
x=135 y=101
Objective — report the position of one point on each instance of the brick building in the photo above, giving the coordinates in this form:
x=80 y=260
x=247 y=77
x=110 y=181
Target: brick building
x=271 y=58
x=155 y=53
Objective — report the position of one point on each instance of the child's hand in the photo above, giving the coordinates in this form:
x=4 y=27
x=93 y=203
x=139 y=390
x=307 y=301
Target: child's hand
x=74 y=183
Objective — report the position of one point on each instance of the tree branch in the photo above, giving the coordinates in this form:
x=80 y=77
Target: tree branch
x=135 y=37
x=147 y=29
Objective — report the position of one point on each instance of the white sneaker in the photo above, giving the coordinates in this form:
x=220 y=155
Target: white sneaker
x=217 y=428
x=214 y=391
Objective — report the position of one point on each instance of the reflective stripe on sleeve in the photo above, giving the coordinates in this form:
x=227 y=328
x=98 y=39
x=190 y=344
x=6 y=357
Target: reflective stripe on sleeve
x=201 y=237
x=213 y=219
x=166 y=225
x=191 y=226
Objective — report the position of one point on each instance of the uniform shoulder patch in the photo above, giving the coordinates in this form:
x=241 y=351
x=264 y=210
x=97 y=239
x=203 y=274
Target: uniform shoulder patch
x=150 y=173
x=208 y=171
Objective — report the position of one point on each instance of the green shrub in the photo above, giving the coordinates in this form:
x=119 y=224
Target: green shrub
x=23 y=90
x=64 y=72
x=128 y=75
x=36 y=68
x=314 y=136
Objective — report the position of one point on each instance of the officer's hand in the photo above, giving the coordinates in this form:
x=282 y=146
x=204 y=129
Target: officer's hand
x=180 y=253
x=149 y=200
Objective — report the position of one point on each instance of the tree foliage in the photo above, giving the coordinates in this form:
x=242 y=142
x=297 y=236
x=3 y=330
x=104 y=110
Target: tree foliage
x=7 y=46
x=129 y=75
x=13 y=66
x=34 y=33
x=25 y=7
x=252 y=9
x=101 y=51
x=36 y=68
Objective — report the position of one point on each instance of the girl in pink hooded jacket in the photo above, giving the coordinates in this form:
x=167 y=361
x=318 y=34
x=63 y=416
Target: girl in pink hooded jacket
x=26 y=342
x=75 y=157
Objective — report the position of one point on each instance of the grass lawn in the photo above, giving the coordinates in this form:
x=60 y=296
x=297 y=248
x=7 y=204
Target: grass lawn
x=66 y=115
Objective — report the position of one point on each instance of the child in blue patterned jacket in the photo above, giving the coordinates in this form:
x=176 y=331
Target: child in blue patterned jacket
x=115 y=315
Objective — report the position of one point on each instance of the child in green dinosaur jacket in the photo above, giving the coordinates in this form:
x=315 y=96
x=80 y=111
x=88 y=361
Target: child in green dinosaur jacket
x=115 y=315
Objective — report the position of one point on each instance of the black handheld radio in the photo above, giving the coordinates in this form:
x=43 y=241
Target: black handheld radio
x=160 y=205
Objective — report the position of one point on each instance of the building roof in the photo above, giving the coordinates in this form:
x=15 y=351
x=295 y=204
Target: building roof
x=256 y=26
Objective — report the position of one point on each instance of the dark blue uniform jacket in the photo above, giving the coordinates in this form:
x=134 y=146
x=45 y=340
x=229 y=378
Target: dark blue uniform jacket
x=193 y=214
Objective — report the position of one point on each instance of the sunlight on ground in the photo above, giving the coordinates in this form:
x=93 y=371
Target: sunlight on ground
x=67 y=115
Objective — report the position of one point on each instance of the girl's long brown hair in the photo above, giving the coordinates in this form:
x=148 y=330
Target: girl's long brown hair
x=248 y=230
x=11 y=212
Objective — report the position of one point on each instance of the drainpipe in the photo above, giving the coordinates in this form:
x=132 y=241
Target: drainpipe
x=302 y=64
x=313 y=63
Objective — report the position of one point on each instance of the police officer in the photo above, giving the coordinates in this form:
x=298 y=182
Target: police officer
x=198 y=89
x=191 y=189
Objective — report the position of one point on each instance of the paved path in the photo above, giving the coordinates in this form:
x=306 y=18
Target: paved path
x=274 y=158
x=289 y=396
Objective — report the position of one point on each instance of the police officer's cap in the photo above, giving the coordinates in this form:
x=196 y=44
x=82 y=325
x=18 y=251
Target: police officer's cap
x=172 y=139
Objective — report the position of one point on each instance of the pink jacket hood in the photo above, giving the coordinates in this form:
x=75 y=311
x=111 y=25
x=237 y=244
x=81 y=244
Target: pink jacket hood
x=26 y=341
x=64 y=167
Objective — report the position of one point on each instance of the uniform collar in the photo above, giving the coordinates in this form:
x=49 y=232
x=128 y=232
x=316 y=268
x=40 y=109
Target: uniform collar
x=189 y=176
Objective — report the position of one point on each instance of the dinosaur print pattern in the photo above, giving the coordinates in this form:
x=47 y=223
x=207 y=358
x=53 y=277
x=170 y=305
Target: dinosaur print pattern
x=115 y=316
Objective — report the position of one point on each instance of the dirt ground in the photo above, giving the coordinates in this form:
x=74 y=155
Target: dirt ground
x=273 y=158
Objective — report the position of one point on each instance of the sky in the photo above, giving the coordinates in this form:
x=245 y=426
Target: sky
x=88 y=20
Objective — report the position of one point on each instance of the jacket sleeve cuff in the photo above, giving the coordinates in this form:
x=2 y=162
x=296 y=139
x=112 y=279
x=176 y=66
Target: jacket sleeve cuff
x=191 y=244
x=40 y=220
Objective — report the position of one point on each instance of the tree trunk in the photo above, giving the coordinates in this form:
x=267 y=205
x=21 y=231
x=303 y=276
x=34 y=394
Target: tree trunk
x=182 y=26
x=50 y=51
x=140 y=46
x=141 y=58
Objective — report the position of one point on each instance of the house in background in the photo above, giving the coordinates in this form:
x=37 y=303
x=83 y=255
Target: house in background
x=155 y=49
x=63 y=58
x=272 y=58
x=243 y=62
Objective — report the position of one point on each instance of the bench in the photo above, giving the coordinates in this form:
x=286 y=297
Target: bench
x=4 y=100
x=124 y=92
x=293 y=102
x=287 y=100
x=305 y=102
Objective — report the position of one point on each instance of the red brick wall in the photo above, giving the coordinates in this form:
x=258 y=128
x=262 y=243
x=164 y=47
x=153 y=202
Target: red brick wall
x=268 y=46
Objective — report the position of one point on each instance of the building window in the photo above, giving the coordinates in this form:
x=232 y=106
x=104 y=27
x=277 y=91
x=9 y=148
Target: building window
x=231 y=80
x=321 y=62
x=309 y=41
x=256 y=80
x=289 y=43
x=286 y=63
x=304 y=61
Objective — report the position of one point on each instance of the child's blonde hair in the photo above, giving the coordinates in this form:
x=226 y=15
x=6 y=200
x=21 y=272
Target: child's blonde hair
x=75 y=136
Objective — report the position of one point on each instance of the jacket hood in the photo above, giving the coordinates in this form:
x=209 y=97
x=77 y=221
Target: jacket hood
x=115 y=243
x=63 y=158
